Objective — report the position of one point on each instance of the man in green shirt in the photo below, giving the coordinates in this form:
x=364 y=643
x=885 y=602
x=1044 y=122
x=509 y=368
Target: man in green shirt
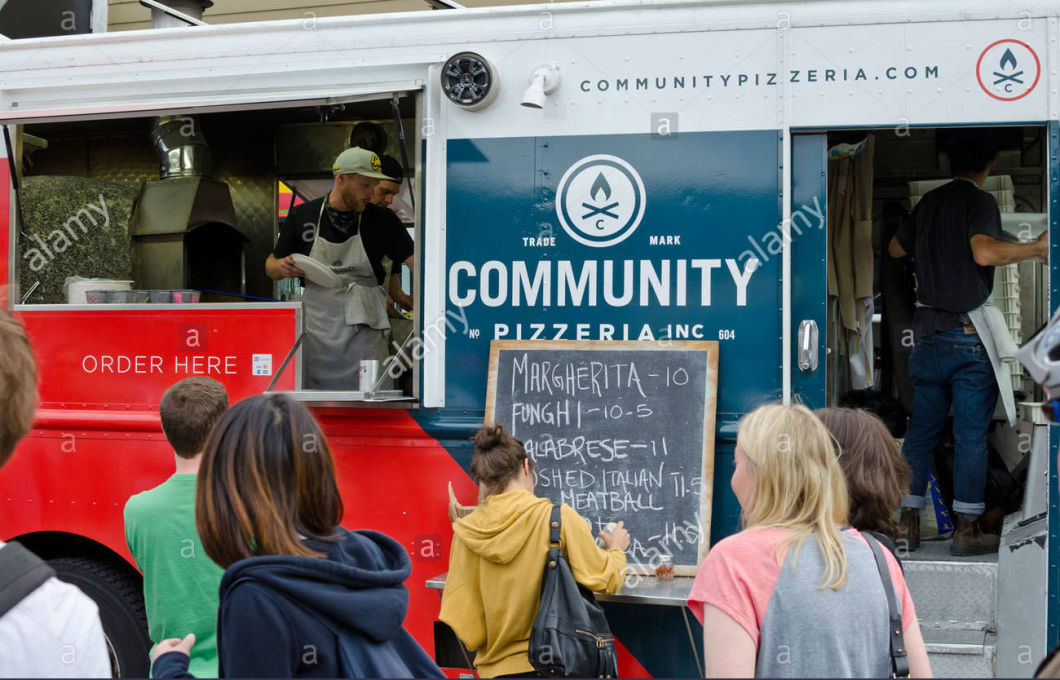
x=180 y=582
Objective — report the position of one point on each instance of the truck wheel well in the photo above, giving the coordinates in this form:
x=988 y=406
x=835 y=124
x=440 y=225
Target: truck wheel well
x=49 y=545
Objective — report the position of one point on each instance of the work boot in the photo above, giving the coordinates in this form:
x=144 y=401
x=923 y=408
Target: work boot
x=908 y=538
x=968 y=540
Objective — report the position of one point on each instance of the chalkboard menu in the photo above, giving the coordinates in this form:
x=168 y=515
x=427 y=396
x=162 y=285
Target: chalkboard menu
x=619 y=431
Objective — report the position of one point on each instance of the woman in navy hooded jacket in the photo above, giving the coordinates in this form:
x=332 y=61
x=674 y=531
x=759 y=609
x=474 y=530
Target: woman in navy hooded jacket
x=301 y=596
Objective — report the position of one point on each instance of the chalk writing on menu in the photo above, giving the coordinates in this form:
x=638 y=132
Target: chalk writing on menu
x=617 y=434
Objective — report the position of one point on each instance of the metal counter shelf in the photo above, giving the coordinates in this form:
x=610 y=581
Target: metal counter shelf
x=642 y=590
x=637 y=589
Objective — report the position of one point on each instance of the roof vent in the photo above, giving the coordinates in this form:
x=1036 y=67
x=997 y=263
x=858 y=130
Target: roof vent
x=160 y=18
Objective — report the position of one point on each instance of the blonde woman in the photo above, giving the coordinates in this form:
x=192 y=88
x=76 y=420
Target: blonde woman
x=795 y=594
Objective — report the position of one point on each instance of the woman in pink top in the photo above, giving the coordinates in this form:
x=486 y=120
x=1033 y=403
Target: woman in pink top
x=795 y=594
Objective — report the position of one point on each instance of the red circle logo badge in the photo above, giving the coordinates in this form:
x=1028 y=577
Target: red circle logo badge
x=1008 y=70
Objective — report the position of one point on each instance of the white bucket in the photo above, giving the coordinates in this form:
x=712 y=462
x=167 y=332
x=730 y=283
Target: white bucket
x=76 y=287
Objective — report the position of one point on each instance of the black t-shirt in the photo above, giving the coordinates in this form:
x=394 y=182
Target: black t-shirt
x=381 y=232
x=938 y=235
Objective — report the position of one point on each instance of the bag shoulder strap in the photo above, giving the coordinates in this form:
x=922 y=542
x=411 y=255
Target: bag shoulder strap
x=554 y=527
x=21 y=572
x=899 y=660
x=886 y=542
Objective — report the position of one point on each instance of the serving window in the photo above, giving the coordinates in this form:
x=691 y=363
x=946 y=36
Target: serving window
x=174 y=210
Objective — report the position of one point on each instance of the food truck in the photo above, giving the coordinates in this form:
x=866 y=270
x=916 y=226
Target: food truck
x=597 y=171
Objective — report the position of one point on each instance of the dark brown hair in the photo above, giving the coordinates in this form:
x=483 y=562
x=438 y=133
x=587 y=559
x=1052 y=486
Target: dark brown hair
x=370 y=136
x=267 y=478
x=392 y=168
x=189 y=410
x=18 y=384
x=497 y=460
x=877 y=473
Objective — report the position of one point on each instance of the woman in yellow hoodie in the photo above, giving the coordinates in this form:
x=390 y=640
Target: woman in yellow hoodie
x=497 y=560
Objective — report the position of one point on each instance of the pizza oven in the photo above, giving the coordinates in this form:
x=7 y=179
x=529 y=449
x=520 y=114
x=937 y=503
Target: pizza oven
x=184 y=228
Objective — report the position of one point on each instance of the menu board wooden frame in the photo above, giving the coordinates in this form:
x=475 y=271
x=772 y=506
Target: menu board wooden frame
x=710 y=404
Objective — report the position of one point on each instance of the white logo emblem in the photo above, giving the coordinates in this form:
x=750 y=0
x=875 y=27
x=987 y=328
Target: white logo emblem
x=1008 y=70
x=600 y=200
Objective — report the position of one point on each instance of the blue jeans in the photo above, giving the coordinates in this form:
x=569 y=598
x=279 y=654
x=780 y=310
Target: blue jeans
x=950 y=369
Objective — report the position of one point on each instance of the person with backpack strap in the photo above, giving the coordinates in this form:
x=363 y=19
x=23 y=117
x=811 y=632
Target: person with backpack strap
x=795 y=594
x=48 y=628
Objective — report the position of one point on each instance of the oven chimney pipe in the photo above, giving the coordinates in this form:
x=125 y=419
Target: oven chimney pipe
x=192 y=8
x=181 y=147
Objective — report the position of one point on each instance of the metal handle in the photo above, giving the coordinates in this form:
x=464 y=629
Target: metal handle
x=808 y=345
x=286 y=360
x=390 y=362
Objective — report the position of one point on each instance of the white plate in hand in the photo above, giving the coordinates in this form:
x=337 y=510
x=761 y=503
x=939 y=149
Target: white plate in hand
x=317 y=272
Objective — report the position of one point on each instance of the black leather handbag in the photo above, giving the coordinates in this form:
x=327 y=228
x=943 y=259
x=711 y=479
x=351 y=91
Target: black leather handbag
x=570 y=637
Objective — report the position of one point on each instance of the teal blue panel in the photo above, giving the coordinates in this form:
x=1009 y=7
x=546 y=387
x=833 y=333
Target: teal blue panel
x=658 y=638
x=1053 y=585
x=809 y=259
x=708 y=204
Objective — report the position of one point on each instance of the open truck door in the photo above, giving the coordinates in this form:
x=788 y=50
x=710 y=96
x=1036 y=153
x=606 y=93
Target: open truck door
x=977 y=614
x=808 y=282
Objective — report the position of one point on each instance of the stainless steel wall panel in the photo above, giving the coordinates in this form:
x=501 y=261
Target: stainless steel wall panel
x=243 y=158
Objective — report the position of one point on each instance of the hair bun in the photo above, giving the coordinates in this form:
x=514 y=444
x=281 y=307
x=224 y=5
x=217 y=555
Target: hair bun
x=490 y=436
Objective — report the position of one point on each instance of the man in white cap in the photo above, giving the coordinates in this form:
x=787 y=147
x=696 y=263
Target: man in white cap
x=344 y=233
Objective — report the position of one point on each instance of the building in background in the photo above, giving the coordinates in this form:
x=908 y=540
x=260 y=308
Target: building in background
x=127 y=15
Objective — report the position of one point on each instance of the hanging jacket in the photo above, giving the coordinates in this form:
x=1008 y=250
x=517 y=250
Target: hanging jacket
x=493 y=588
x=302 y=617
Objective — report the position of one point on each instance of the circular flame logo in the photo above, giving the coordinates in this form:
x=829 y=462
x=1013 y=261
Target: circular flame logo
x=600 y=200
x=1008 y=70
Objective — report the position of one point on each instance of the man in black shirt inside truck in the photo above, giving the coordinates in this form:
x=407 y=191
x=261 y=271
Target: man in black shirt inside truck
x=954 y=236
x=346 y=322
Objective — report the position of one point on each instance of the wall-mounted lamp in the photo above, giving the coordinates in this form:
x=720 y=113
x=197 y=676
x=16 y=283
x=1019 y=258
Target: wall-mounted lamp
x=543 y=82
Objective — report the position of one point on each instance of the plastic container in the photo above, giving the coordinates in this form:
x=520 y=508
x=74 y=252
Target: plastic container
x=607 y=529
x=1000 y=186
x=1008 y=289
x=77 y=288
x=161 y=296
x=96 y=297
x=119 y=296
x=186 y=296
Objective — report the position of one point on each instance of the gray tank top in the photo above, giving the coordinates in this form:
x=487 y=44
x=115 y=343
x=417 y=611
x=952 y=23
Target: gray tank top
x=809 y=632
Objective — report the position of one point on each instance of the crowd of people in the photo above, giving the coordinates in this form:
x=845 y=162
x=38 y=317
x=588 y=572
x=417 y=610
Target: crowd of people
x=803 y=554
x=810 y=486
x=248 y=571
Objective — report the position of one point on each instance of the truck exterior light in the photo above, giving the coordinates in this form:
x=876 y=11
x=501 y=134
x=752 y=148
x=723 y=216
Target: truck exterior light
x=543 y=82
